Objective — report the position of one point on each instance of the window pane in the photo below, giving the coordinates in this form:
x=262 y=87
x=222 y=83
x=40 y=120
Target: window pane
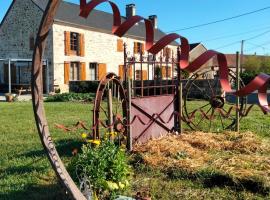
x=92 y=71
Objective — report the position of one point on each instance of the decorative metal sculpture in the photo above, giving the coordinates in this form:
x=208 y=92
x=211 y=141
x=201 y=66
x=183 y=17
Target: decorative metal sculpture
x=259 y=83
x=205 y=105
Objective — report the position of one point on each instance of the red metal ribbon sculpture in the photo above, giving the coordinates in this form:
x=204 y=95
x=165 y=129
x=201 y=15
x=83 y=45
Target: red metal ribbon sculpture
x=118 y=28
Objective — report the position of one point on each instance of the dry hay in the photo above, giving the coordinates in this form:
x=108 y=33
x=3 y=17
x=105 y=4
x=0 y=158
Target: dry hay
x=242 y=156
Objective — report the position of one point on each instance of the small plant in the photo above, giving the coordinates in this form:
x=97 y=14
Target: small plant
x=66 y=97
x=106 y=167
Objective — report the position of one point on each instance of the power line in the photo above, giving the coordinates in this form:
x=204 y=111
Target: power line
x=221 y=20
x=259 y=35
x=251 y=38
x=258 y=46
x=227 y=45
x=236 y=34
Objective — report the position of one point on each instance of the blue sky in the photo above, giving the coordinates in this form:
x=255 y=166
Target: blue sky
x=224 y=37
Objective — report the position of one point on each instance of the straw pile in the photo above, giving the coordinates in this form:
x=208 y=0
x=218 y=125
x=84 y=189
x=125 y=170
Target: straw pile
x=241 y=156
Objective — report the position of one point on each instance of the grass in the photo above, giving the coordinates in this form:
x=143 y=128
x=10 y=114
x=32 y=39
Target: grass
x=25 y=172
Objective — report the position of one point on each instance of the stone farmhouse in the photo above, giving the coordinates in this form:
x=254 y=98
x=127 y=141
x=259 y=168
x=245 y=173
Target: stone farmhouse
x=77 y=49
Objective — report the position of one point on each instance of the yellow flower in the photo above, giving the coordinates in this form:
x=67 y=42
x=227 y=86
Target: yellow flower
x=84 y=135
x=112 y=186
x=96 y=142
x=121 y=185
x=113 y=134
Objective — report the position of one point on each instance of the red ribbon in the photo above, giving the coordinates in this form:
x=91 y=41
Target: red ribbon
x=118 y=28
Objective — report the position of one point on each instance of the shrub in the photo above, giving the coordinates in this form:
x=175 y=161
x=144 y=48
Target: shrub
x=83 y=86
x=105 y=166
x=248 y=76
x=65 y=97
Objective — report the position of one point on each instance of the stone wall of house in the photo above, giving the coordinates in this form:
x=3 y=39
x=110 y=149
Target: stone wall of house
x=100 y=47
x=22 y=22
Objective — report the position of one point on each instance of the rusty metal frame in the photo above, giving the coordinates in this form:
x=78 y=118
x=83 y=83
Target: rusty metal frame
x=100 y=93
x=38 y=105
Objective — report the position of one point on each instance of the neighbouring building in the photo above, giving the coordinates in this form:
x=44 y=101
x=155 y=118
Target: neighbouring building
x=77 y=48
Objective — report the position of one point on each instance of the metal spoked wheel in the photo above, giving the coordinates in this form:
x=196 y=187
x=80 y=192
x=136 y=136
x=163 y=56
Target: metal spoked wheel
x=211 y=107
x=110 y=109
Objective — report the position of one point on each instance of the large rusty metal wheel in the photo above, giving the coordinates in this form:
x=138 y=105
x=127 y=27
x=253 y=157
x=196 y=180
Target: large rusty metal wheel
x=205 y=100
x=38 y=106
x=110 y=108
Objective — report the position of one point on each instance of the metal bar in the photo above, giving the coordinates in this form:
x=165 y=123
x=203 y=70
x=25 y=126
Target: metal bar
x=237 y=127
x=110 y=111
x=141 y=60
x=180 y=92
x=129 y=128
x=9 y=76
x=158 y=86
x=154 y=58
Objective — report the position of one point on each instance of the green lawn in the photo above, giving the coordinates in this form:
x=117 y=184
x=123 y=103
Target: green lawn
x=25 y=172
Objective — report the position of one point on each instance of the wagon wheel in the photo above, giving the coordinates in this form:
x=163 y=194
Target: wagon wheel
x=203 y=93
x=110 y=109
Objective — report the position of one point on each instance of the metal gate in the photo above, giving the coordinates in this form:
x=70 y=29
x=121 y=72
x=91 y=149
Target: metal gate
x=153 y=93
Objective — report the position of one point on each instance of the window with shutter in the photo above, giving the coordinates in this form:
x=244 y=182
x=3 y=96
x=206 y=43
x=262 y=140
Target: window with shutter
x=138 y=47
x=141 y=75
x=166 y=72
x=167 y=52
x=121 y=72
x=74 y=44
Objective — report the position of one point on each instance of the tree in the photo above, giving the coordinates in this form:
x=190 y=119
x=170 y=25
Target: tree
x=252 y=64
x=265 y=65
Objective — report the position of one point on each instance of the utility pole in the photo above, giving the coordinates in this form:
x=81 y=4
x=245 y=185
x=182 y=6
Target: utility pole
x=242 y=56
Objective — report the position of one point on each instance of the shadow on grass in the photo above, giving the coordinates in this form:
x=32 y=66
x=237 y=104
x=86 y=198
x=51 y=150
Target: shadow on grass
x=39 y=192
x=64 y=148
x=210 y=179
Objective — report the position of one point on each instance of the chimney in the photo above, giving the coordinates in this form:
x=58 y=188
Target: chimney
x=130 y=10
x=153 y=19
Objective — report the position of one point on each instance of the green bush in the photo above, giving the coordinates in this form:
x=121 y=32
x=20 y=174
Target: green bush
x=248 y=76
x=83 y=86
x=105 y=166
x=66 y=97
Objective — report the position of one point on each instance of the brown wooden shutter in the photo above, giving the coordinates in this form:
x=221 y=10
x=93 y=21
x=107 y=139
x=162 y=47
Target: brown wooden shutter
x=67 y=43
x=82 y=45
x=144 y=73
x=169 y=72
x=66 y=72
x=135 y=47
x=163 y=71
x=120 y=45
x=102 y=70
x=83 y=71
x=121 y=71
x=143 y=48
